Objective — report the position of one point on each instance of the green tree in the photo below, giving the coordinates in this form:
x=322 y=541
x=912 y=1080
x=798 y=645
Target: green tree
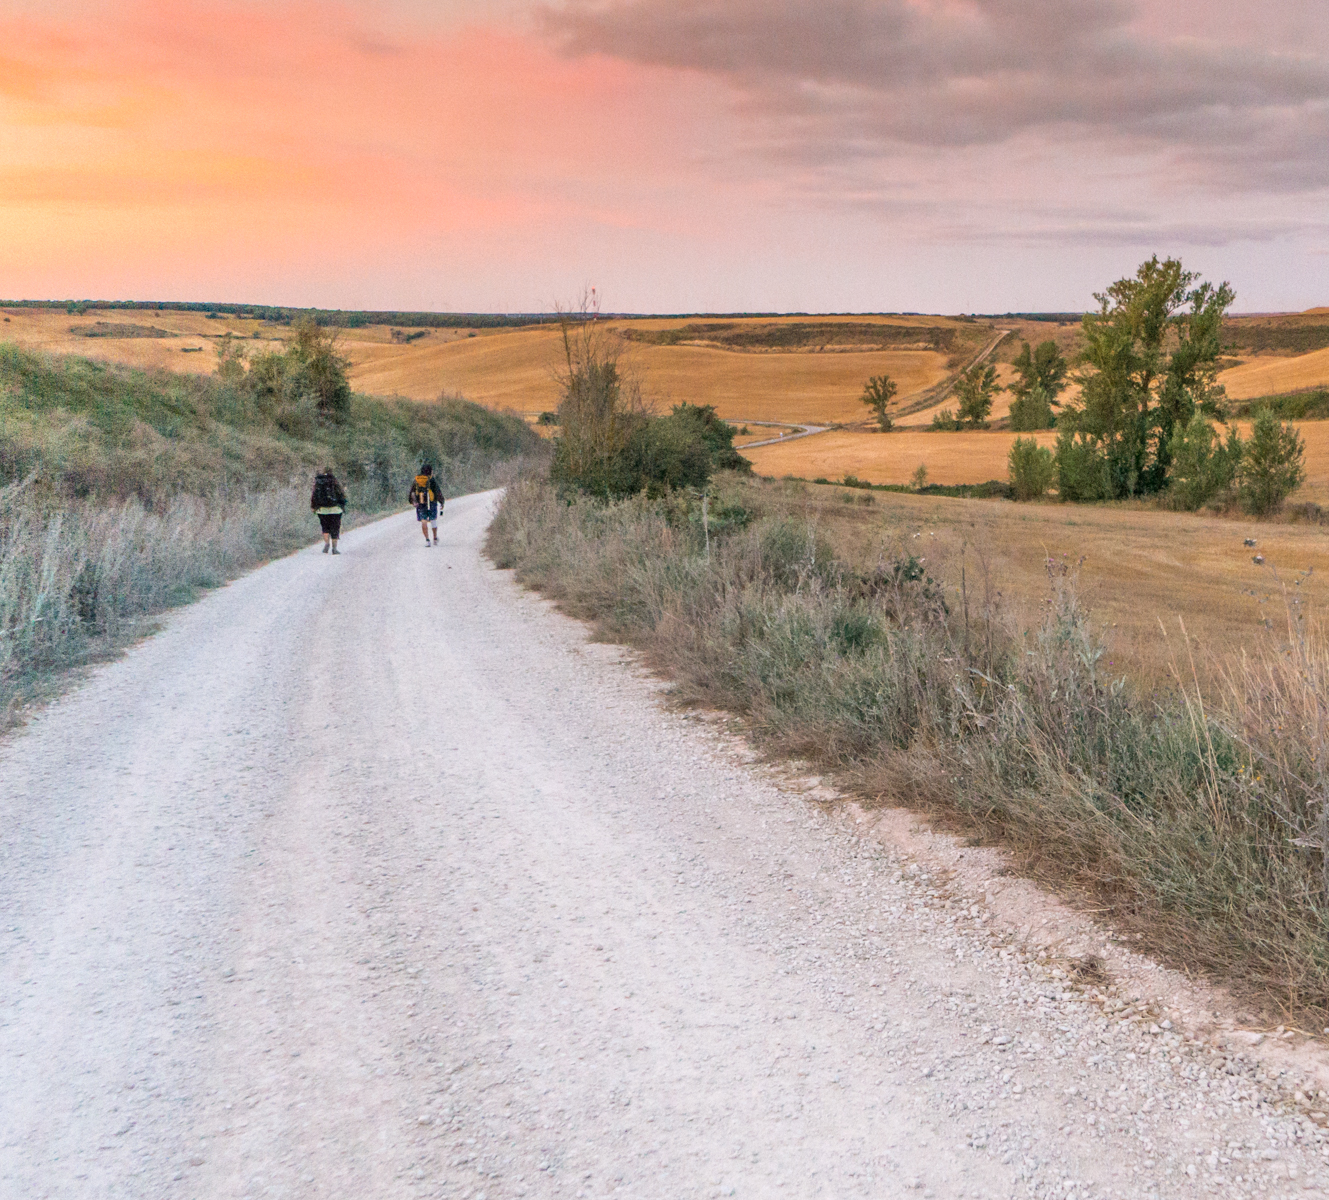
x=1031 y=469
x=1082 y=467
x=877 y=394
x=1043 y=368
x=1271 y=465
x=1150 y=361
x=1032 y=410
x=1202 y=465
x=974 y=390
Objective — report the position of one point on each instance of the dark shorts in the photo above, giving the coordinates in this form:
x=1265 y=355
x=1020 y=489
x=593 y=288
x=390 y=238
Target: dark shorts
x=331 y=523
x=427 y=512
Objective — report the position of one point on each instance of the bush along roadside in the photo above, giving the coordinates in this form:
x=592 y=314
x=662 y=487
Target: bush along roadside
x=1199 y=822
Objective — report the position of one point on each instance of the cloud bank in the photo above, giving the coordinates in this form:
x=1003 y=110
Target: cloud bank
x=684 y=155
x=846 y=81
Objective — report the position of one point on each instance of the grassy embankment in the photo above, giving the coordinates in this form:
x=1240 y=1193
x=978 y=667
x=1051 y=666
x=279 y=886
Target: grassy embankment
x=1193 y=808
x=124 y=492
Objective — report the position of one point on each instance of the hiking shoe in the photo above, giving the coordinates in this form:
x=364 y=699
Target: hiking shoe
x=326 y=547
x=335 y=550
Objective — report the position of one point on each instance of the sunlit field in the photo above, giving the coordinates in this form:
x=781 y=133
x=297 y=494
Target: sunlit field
x=1138 y=568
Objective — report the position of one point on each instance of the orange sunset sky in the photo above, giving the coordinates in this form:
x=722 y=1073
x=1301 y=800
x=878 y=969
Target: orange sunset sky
x=682 y=155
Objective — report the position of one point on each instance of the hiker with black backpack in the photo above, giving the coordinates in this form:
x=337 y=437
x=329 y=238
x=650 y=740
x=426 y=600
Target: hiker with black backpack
x=329 y=502
x=428 y=499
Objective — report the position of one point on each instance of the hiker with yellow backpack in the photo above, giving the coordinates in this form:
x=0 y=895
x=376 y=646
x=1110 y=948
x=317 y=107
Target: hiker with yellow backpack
x=428 y=499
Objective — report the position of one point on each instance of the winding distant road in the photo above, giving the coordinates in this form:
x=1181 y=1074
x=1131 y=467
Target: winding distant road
x=370 y=877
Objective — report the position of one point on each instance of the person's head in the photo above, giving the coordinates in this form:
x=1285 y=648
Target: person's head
x=427 y=469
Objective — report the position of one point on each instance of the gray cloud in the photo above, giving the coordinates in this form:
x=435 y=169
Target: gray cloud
x=844 y=80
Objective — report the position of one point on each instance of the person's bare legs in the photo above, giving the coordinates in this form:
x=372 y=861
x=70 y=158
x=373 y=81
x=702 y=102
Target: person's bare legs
x=327 y=538
x=424 y=528
x=435 y=525
x=334 y=546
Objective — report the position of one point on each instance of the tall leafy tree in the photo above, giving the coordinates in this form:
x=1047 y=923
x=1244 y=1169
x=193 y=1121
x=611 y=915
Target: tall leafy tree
x=1040 y=377
x=974 y=390
x=1149 y=364
x=877 y=394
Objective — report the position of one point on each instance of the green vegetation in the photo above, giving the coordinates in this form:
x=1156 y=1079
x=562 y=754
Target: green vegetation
x=974 y=390
x=609 y=446
x=88 y=429
x=302 y=384
x=1196 y=824
x=123 y=492
x=1309 y=405
x=1148 y=390
x=1270 y=465
x=1041 y=379
x=877 y=394
x=1031 y=469
x=1150 y=362
x=1203 y=467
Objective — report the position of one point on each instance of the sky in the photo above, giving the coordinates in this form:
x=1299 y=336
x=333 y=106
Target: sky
x=677 y=155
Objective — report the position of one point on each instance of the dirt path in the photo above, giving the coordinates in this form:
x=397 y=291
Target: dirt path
x=803 y=432
x=368 y=877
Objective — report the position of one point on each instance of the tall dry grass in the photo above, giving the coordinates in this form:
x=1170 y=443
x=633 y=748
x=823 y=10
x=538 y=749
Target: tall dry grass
x=78 y=578
x=1201 y=827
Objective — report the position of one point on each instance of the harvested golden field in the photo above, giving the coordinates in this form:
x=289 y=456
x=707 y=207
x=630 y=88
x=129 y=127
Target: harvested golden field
x=1267 y=375
x=186 y=346
x=515 y=369
x=1142 y=568
x=795 y=369
x=781 y=369
x=893 y=457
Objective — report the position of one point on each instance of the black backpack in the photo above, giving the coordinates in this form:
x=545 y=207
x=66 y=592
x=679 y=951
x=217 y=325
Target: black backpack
x=325 y=492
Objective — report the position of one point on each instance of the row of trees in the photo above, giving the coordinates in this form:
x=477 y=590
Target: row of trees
x=1258 y=473
x=1041 y=376
x=1144 y=421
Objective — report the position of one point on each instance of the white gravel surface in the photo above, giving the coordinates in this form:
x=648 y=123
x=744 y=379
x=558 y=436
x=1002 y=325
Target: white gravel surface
x=369 y=877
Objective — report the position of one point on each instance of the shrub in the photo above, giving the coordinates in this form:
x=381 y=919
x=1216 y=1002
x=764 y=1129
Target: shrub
x=1031 y=469
x=945 y=422
x=1202 y=466
x=667 y=452
x=1271 y=467
x=1032 y=411
x=1083 y=470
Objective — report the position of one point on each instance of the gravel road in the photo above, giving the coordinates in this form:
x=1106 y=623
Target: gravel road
x=369 y=877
